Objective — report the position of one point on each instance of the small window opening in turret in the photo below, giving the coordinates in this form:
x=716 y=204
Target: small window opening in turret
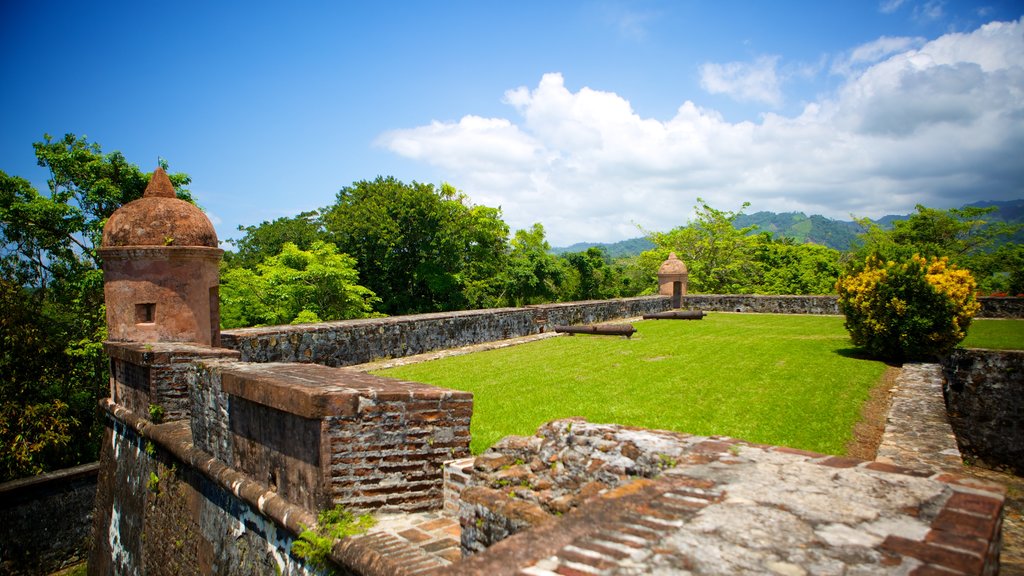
x=145 y=313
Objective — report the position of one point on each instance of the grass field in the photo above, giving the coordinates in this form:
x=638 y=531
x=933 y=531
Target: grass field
x=778 y=379
x=995 y=334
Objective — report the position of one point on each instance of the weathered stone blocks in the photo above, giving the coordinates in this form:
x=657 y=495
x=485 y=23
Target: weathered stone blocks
x=322 y=436
x=349 y=342
x=673 y=502
x=155 y=374
x=985 y=400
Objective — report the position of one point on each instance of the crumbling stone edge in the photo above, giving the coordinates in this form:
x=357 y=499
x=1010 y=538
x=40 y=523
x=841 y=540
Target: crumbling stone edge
x=378 y=554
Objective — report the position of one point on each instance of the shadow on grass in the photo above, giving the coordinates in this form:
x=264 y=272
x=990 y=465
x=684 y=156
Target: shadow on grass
x=861 y=354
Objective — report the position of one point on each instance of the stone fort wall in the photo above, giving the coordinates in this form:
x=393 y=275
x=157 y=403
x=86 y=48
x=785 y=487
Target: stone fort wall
x=350 y=342
x=219 y=463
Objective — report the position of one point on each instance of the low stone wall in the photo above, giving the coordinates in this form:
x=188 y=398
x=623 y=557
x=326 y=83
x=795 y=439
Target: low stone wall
x=991 y=307
x=761 y=303
x=350 y=342
x=985 y=400
x=45 y=520
x=1001 y=307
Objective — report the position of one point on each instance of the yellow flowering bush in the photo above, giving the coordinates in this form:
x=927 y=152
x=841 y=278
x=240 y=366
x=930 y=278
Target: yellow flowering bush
x=905 y=310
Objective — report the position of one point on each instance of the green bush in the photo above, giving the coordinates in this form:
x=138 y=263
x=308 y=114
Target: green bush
x=907 y=310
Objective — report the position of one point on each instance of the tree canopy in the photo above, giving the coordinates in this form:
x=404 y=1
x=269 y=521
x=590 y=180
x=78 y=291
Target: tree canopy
x=419 y=248
x=52 y=369
x=293 y=286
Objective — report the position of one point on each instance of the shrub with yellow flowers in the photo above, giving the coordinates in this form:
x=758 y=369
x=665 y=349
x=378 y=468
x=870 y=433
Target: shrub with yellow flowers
x=907 y=310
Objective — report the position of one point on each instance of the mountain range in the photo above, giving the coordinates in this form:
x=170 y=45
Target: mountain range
x=838 y=234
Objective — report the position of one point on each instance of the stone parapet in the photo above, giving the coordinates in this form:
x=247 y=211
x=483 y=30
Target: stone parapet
x=323 y=436
x=771 y=304
x=350 y=342
x=1001 y=307
x=156 y=374
x=710 y=505
x=984 y=391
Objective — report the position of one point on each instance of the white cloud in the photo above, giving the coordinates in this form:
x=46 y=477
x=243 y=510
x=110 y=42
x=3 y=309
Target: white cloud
x=750 y=82
x=874 y=52
x=930 y=11
x=889 y=6
x=939 y=123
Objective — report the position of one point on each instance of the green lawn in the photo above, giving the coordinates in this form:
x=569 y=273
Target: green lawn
x=777 y=379
x=995 y=334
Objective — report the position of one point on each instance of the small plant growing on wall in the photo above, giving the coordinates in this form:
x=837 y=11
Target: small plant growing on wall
x=156 y=413
x=907 y=310
x=314 y=546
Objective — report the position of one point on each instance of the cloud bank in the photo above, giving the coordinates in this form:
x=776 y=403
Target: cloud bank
x=939 y=123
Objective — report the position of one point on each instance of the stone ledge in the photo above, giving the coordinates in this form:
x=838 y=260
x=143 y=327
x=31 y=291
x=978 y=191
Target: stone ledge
x=148 y=354
x=315 y=392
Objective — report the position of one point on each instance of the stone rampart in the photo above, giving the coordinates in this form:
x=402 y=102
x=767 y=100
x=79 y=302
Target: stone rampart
x=984 y=393
x=322 y=436
x=761 y=303
x=227 y=487
x=349 y=342
x=582 y=498
x=45 y=520
x=991 y=307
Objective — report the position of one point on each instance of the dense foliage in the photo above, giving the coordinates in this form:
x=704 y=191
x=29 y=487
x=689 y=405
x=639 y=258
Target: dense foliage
x=52 y=318
x=912 y=309
x=293 y=286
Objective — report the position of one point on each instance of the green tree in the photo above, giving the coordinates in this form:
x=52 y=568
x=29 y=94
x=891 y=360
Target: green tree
x=957 y=233
x=718 y=255
x=785 y=267
x=295 y=285
x=268 y=238
x=53 y=282
x=590 y=276
x=420 y=249
x=533 y=275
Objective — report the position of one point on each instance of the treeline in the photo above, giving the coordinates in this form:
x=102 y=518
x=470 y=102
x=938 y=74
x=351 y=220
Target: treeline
x=384 y=247
x=387 y=247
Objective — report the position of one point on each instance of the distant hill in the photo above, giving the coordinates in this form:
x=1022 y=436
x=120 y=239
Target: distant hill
x=620 y=249
x=838 y=234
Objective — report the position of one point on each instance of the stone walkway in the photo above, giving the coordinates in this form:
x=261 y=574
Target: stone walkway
x=918 y=435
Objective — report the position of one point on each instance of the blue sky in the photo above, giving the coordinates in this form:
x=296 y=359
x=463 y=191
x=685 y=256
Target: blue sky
x=591 y=117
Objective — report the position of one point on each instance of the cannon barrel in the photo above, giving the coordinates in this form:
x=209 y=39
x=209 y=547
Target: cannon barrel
x=676 y=315
x=626 y=330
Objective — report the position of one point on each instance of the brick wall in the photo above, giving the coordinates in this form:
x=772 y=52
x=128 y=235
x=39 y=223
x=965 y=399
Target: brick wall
x=322 y=436
x=160 y=510
x=350 y=342
x=155 y=374
x=984 y=394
